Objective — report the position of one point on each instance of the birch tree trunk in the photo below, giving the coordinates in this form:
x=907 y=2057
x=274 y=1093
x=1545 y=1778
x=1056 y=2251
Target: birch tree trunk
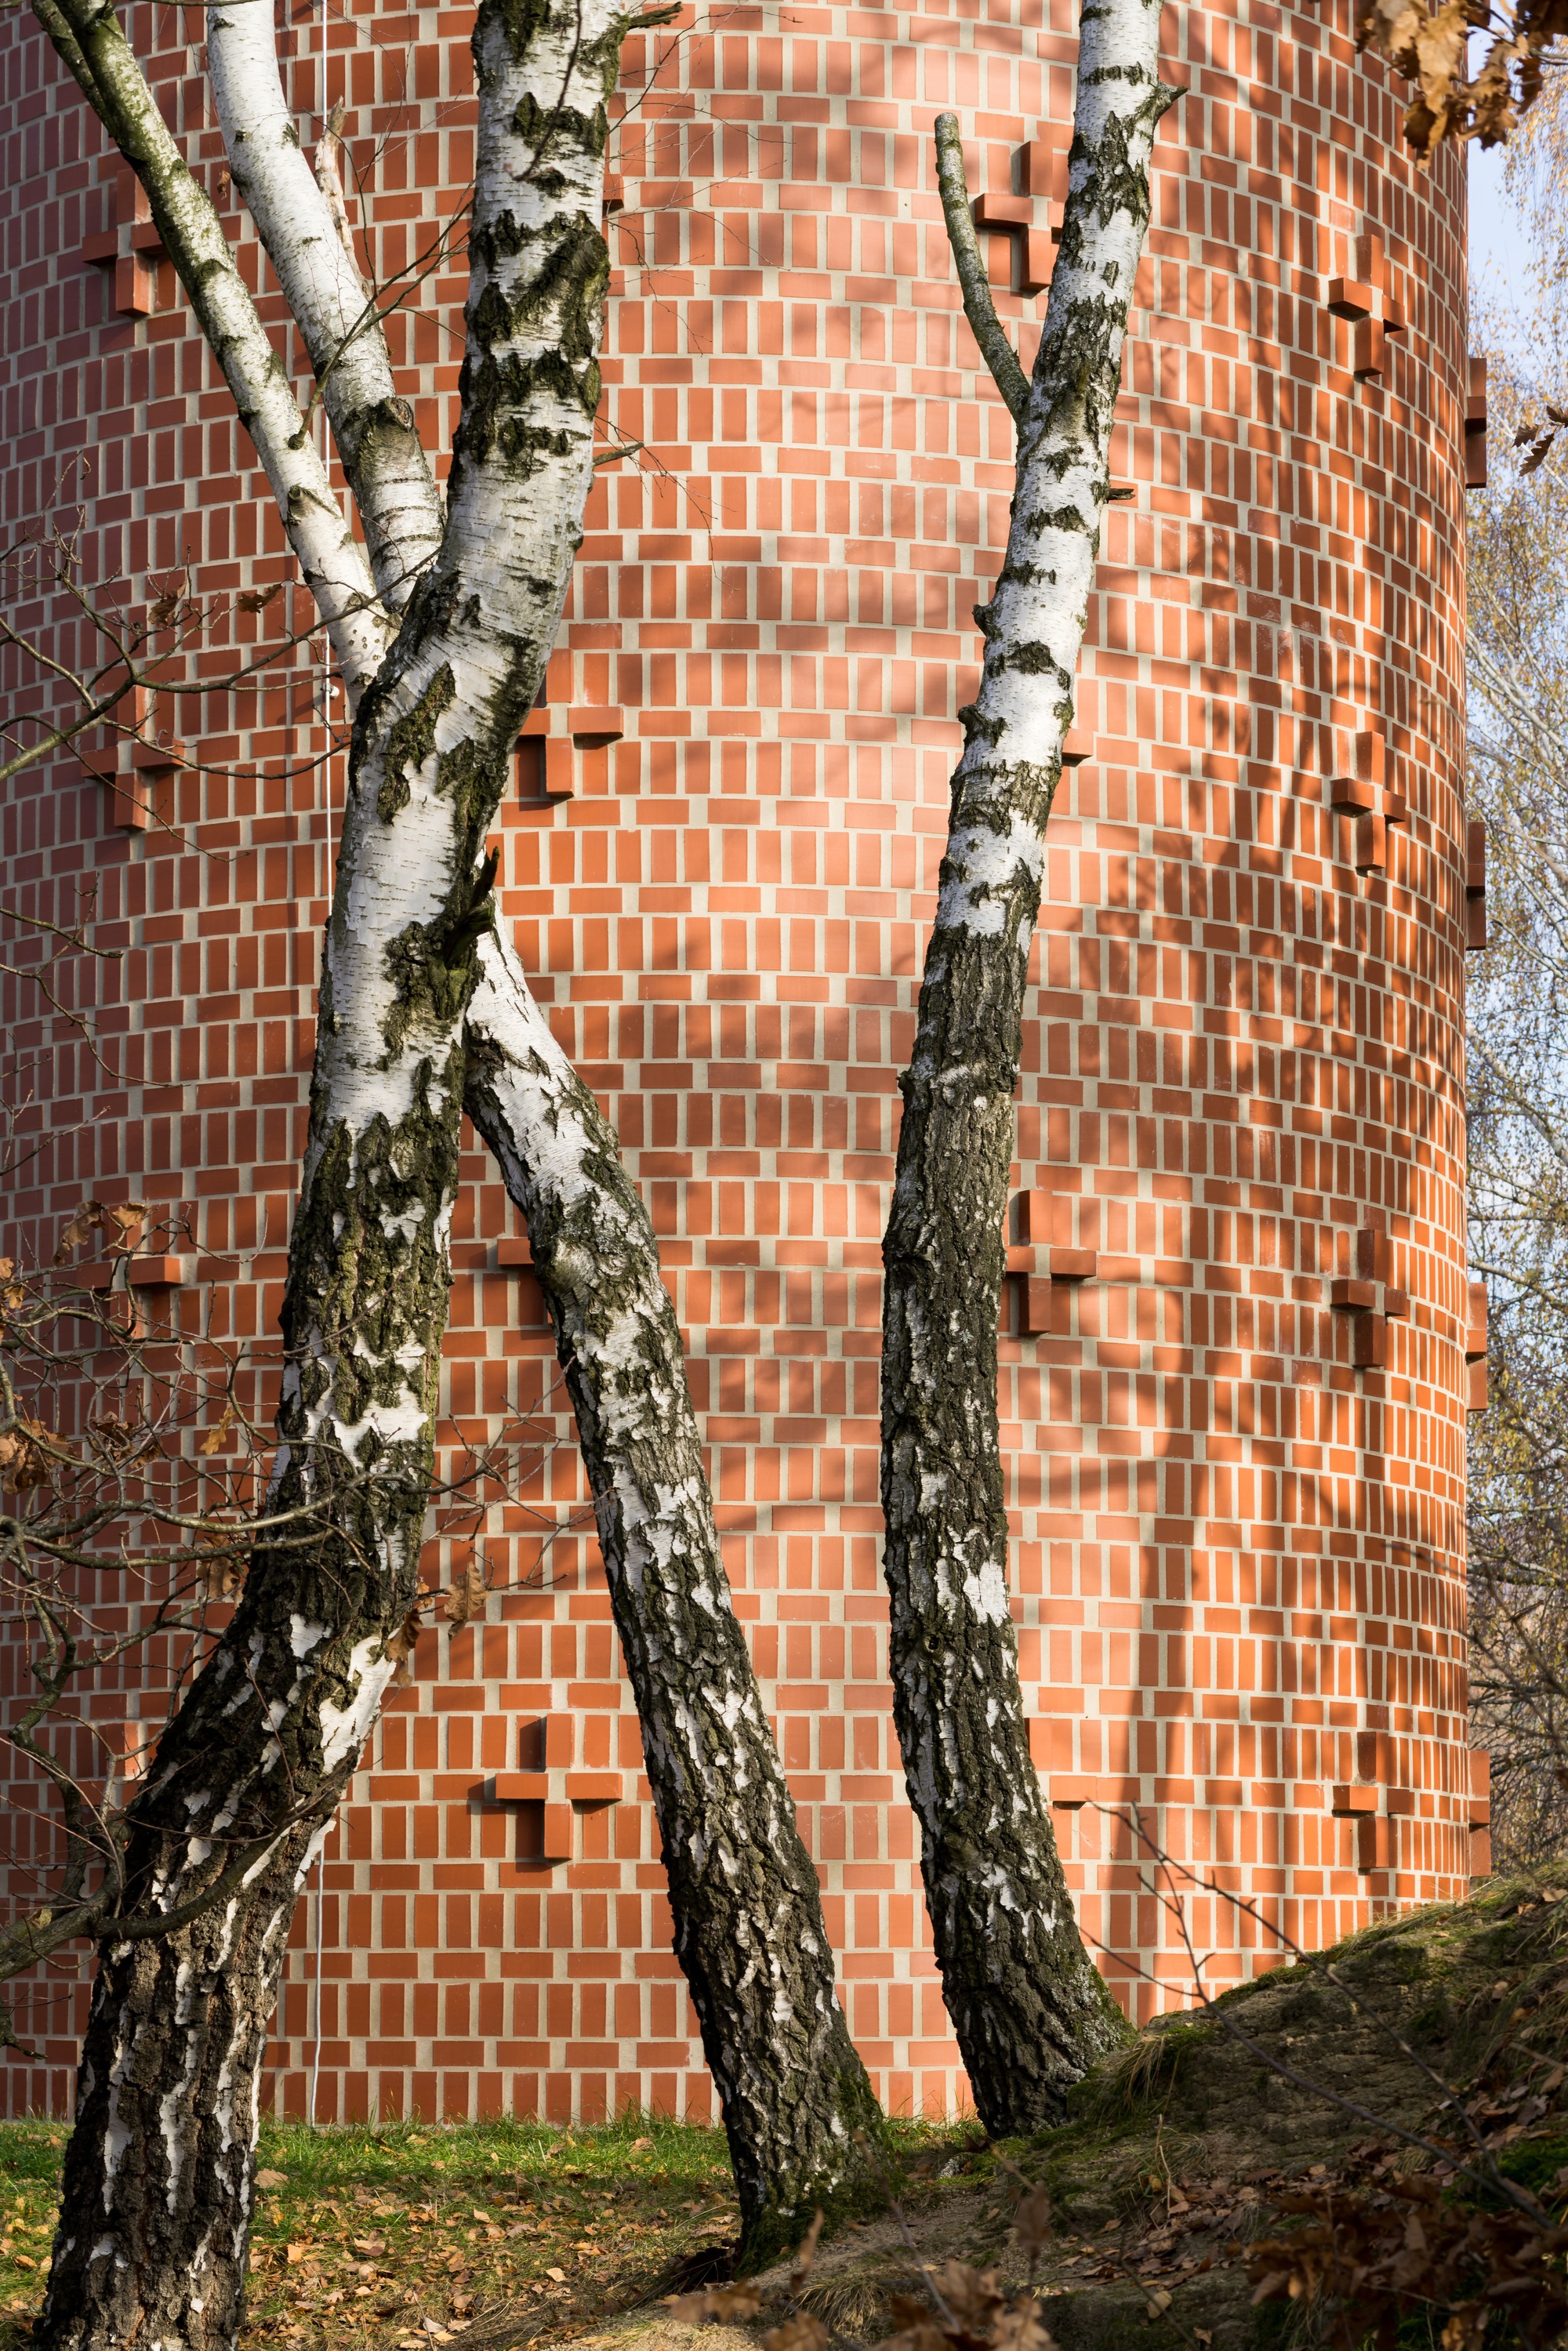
x=155 y=2209
x=749 y=1933
x=1028 y=2008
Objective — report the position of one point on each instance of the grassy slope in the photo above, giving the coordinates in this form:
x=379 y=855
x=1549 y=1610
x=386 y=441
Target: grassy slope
x=1164 y=2171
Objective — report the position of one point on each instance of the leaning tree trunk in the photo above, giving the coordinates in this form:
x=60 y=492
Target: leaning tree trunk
x=749 y=1932
x=1029 y=2008
x=155 y=2209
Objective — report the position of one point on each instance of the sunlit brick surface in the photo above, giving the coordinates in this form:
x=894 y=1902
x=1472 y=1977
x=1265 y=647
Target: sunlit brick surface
x=1238 y=1563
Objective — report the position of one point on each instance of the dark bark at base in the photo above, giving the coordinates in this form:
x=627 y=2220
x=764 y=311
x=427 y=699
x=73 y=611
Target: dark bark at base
x=156 y=2193
x=744 y=1895
x=1028 y=2008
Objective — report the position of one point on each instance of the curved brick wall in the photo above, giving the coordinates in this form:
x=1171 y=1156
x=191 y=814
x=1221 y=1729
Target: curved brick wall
x=1239 y=1552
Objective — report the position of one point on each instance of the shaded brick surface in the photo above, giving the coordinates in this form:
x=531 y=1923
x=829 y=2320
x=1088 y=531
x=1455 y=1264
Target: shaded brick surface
x=1237 y=1506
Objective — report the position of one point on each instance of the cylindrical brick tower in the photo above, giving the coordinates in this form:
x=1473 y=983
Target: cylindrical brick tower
x=1234 y=1376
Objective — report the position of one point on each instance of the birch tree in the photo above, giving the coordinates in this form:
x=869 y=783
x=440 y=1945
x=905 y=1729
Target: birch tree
x=441 y=623
x=1028 y=2008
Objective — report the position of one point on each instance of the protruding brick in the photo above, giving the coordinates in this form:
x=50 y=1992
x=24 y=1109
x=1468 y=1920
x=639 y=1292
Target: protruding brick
x=1371 y=1350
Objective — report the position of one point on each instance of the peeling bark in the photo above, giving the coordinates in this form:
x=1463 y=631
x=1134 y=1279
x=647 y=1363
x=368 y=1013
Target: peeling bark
x=1029 y=2008
x=155 y=2208
x=749 y=1933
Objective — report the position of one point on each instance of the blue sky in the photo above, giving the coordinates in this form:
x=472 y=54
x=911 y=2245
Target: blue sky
x=1497 y=247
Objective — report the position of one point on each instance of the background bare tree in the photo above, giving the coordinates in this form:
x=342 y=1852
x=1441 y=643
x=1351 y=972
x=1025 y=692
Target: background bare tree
x=1518 y=1040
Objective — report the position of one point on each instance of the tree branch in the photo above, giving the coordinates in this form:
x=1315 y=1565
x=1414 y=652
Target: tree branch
x=979 y=309
x=88 y=37
x=372 y=425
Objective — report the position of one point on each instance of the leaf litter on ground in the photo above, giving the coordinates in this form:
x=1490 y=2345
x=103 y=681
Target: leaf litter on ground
x=396 y=2237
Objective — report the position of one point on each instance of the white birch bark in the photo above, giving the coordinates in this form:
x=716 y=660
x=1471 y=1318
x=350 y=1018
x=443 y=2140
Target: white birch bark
x=87 y=35
x=372 y=424
x=749 y=1932
x=156 y=2201
x=1028 y=2007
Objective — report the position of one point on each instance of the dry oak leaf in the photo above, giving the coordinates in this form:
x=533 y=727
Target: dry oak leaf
x=82 y=1227
x=272 y=2180
x=400 y=1645
x=123 y=1225
x=971 y=2294
x=464 y=1598
x=801 y=2333
x=297 y=2254
x=23 y=1460
x=1032 y=2220
x=923 y=2334
x=742 y=2301
x=1020 y=2328
x=214 y=1437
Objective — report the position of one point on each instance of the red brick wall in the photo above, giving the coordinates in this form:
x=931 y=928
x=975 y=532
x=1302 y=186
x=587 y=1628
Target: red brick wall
x=1239 y=1555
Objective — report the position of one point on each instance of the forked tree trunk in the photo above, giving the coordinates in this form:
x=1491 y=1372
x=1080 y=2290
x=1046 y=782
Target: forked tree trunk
x=1029 y=2008
x=749 y=1933
x=155 y=2212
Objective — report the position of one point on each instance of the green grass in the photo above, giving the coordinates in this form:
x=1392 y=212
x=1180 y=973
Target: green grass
x=515 y=2230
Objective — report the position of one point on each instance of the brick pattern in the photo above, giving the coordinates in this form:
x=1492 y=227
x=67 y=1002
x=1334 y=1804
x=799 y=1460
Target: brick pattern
x=1237 y=1503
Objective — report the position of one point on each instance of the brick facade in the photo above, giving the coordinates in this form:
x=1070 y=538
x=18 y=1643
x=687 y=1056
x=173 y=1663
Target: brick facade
x=1234 y=1376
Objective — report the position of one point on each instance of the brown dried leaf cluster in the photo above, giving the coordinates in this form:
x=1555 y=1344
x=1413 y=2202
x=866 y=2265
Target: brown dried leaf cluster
x=1371 y=2255
x=731 y=2301
x=120 y=1223
x=1430 y=47
x=25 y=1461
x=965 y=2309
x=975 y=2314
